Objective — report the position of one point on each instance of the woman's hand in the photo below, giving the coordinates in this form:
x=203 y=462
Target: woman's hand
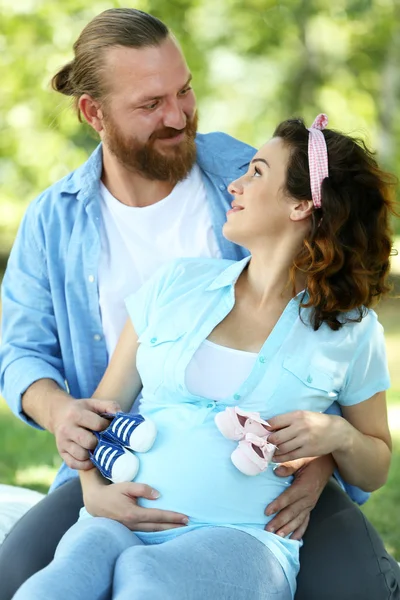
x=118 y=501
x=302 y=434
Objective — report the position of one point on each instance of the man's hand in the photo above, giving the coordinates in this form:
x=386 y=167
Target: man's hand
x=294 y=505
x=71 y=423
x=118 y=501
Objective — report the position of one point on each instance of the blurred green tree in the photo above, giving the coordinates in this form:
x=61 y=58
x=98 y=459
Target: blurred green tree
x=254 y=63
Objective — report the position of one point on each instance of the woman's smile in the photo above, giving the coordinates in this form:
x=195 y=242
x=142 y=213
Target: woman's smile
x=235 y=208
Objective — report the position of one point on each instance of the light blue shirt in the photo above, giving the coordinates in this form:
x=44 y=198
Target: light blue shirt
x=296 y=368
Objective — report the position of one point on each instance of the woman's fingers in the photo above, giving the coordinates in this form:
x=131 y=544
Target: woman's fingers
x=287 y=447
x=283 y=436
x=139 y=490
x=155 y=515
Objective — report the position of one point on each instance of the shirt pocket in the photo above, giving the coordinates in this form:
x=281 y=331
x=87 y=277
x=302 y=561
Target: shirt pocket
x=306 y=385
x=157 y=354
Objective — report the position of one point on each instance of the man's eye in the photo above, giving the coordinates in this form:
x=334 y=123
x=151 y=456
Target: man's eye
x=185 y=91
x=151 y=106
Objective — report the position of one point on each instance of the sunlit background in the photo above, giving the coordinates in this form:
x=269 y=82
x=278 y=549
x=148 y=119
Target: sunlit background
x=254 y=63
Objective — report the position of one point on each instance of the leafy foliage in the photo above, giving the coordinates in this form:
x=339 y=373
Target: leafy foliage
x=254 y=64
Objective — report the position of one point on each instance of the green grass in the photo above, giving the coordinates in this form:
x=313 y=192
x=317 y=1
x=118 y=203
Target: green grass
x=382 y=509
x=29 y=457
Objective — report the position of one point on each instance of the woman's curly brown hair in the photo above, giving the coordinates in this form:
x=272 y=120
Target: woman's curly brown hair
x=346 y=254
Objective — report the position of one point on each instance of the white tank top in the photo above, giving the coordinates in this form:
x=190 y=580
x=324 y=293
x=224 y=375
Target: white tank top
x=216 y=372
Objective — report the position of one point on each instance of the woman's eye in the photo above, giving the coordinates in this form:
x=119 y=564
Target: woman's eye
x=257 y=172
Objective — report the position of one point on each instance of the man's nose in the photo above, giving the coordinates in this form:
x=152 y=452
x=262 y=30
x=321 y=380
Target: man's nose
x=174 y=116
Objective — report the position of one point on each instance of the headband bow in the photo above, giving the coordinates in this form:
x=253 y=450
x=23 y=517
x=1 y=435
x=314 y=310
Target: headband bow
x=317 y=157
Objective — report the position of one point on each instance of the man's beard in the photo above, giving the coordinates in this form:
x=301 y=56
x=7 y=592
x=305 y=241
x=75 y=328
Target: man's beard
x=172 y=165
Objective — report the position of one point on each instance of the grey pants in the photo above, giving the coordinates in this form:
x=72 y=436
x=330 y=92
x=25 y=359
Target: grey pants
x=342 y=558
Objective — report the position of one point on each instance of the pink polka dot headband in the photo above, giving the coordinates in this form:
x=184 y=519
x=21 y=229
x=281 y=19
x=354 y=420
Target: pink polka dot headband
x=317 y=157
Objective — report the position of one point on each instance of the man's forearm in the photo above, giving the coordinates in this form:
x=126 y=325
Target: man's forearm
x=42 y=399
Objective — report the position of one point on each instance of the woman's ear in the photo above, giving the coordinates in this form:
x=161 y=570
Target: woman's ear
x=301 y=210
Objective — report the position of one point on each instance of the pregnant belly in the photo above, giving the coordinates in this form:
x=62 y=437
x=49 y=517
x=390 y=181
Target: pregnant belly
x=191 y=468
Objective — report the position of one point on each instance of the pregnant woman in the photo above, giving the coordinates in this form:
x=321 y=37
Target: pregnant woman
x=285 y=333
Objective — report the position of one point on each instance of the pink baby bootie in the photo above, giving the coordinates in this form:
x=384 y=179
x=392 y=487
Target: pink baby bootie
x=253 y=454
x=234 y=423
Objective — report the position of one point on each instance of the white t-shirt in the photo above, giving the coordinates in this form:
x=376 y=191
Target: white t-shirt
x=135 y=242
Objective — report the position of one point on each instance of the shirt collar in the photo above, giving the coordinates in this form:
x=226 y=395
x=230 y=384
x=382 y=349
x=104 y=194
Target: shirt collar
x=230 y=275
x=223 y=155
x=85 y=180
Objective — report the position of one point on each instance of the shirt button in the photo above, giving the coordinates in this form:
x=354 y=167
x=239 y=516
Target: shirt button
x=97 y=337
x=236 y=396
x=309 y=379
x=222 y=187
x=153 y=340
x=210 y=405
x=262 y=359
x=91 y=278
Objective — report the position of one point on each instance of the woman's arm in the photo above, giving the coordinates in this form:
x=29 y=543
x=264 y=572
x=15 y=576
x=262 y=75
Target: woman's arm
x=359 y=441
x=121 y=382
x=363 y=457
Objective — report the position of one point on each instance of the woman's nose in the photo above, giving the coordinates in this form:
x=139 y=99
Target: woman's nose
x=235 y=187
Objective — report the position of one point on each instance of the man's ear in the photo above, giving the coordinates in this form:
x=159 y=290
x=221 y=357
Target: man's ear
x=90 y=109
x=301 y=210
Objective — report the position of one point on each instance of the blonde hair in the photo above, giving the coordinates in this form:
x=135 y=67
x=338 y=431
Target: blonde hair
x=114 y=27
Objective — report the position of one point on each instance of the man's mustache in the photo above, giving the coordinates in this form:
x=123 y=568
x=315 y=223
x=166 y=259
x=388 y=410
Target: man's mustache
x=167 y=132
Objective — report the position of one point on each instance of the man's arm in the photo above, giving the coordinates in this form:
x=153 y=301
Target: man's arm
x=31 y=367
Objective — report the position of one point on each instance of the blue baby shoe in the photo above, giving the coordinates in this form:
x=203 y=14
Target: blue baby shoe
x=113 y=461
x=132 y=431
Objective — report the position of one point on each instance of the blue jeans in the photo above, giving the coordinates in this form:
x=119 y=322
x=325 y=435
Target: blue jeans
x=101 y=559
